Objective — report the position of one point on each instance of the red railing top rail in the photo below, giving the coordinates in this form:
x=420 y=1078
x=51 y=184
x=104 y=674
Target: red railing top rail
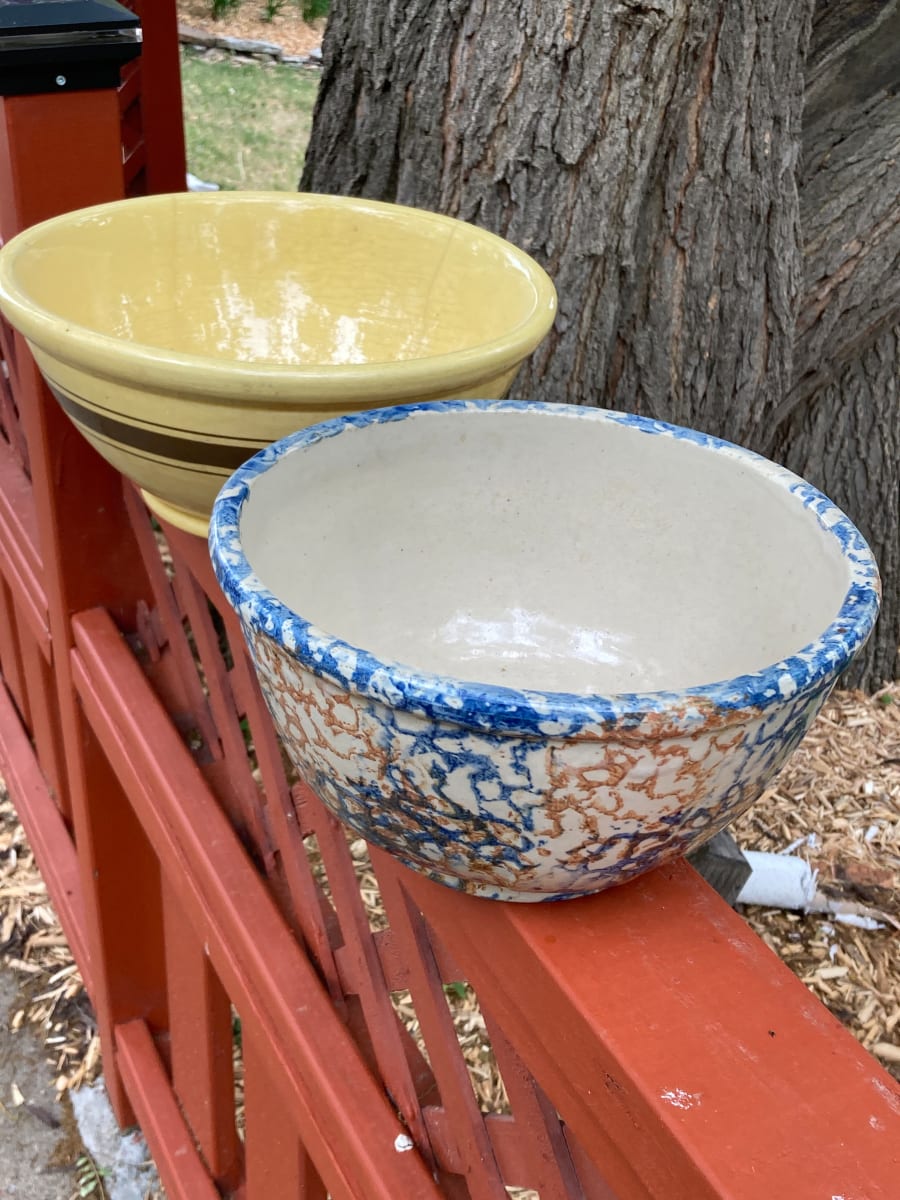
x=664 y=1030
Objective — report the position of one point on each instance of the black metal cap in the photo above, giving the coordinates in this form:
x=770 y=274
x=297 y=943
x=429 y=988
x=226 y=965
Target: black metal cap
x=64 y=45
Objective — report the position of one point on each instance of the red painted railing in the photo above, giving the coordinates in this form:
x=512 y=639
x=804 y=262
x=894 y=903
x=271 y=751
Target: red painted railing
x=650 y=1045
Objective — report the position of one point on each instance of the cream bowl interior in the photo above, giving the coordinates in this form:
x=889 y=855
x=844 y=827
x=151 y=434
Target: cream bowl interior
x=516 y=547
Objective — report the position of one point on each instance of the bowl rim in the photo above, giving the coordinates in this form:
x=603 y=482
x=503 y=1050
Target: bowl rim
x=543 y=713
x=255 y=383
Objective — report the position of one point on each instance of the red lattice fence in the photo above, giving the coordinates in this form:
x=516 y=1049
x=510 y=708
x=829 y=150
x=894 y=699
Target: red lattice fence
x=649 y=1044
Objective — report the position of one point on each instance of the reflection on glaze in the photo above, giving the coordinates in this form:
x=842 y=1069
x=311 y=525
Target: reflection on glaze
x=519 y=634
x=241 y=326
x=295 y=284
x=285 y=325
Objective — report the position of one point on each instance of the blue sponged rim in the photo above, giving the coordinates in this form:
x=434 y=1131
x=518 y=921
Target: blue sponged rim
x=491 y=707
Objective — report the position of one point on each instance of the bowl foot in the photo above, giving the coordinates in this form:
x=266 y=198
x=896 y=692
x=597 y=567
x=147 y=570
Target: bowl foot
x=486 y=892
x=492 y=891
x=181 y=518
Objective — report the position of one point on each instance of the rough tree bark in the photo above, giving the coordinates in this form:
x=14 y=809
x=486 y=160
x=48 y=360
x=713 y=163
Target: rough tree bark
x=839 y=425
x=647 y=152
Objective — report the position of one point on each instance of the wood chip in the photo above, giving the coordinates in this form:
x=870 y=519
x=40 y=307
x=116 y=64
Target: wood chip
x=832 y=972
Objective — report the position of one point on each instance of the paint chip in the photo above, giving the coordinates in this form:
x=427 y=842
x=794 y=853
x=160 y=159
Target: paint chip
x=402 y=1143
x=681 y=1099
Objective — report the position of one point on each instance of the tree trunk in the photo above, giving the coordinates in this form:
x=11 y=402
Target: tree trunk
x=643 y=152
x=847 y=442
x=647 y=153
x=849 y=195
x=839 y=425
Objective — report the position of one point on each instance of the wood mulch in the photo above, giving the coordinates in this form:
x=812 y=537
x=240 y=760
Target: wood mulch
x=287 y=30
x=837 y=804
x=52 y=998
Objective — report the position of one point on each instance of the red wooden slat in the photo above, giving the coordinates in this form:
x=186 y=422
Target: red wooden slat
x=25 y=637
x=509 y=1140
x=308 y=1052
x=22 y=564
x=180 y=1166
x=457 y=1097
x=12 y=435
x=308 y=915
x=691 y=1063
x=129 y=89
x=359 y=947
x=277 y=1163
x=10 y=652
x=200 y=1030
x=20 y=518
x=47 y=834
x=193 y=603
x=123 y=902
x=29 y=602
x=190 y=693
x=543 y=1144
x=45 y=727
x=395 y=965
x=134 y=161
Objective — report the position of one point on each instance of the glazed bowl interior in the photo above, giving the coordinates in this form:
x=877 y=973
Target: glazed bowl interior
x=276 y=281
x=544 y=548
x=183 y=333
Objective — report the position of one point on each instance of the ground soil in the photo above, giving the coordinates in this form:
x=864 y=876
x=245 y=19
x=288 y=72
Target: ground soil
x=287 y=30
x=39 y=1146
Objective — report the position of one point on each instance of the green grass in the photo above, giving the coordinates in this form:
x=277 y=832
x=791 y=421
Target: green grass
x=247 y=125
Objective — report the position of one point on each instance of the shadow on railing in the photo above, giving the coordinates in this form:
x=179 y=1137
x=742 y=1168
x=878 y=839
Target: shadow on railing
x=648 y=1044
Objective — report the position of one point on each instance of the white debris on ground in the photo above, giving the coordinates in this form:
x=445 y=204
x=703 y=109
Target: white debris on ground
x=121 y=1157
x=200 y=185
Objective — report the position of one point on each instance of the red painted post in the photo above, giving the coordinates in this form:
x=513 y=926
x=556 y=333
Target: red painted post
x=159 y=85
x=55 y=155
x=123 y=902
x=60 y=152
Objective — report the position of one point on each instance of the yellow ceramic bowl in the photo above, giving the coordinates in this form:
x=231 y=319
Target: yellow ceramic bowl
x=183 y=333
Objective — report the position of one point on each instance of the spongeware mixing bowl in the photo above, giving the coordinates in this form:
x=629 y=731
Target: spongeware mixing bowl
x=182 y=333
x=536 y=650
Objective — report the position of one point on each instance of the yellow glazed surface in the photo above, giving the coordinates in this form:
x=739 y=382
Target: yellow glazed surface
x=182 y=333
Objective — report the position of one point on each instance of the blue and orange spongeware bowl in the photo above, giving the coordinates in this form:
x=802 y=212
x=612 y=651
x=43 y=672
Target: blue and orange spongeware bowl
x=532 y=650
